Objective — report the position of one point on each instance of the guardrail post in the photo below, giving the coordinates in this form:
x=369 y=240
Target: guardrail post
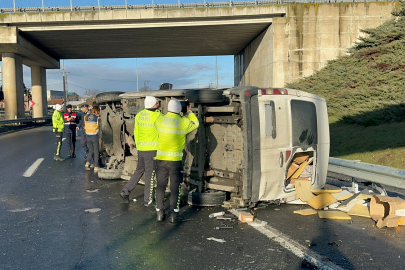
x=355 y=186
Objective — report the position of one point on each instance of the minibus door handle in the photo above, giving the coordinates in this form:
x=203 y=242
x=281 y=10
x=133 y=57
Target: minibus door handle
x=281 y=160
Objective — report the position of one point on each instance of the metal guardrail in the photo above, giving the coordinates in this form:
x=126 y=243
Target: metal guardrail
x=40 y=7
x=25 y=120
x=370 y=172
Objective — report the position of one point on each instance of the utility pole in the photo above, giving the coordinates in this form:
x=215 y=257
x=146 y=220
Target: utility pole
x=65 y=86
x=216 y=71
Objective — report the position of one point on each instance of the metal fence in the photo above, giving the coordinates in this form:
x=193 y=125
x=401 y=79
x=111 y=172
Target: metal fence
x=370 y=172
x=25 y=120
x=11 y=6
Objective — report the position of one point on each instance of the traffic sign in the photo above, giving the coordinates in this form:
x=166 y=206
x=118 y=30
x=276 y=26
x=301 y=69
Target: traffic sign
x=32 y=103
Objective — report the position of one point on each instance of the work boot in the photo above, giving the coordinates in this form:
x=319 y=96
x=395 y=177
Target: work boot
x=59 y=158
x=175 y=217
x=55 y=157
x=87 y=166
x=96 y=169
x=124 y=196
x=160 y=215
x=148 y=204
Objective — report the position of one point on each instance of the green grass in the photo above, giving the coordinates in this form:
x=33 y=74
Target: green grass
x=383 y=144
x=365 y=93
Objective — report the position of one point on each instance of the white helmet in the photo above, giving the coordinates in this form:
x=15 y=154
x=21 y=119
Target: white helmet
x=58 y=107
x=174 y=106
x=150 y=102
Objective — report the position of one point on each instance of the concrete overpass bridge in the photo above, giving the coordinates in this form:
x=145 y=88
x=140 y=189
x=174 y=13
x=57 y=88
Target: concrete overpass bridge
x=273 y=44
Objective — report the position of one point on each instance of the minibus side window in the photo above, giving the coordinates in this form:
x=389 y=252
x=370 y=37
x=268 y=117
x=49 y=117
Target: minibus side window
x=270 y=118
x=304 y=126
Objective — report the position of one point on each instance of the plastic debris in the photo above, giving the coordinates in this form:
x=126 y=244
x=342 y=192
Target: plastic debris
x=218 y=214
x=92 y=210
x=92 y=190
x=224 y=227
x=216 y=240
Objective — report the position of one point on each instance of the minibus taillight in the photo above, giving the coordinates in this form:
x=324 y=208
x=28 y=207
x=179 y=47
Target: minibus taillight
x=273 y=91
x=287 y=155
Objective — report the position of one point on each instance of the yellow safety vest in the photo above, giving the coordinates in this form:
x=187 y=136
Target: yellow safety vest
x=173 y=129
x=145 y=131
x=57 y=121
x=91 y=125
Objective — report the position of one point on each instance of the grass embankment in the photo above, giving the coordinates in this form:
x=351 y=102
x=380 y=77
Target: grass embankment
x=365 y=92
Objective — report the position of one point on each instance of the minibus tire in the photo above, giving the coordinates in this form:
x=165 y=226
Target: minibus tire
x=109 y=174
x=204 y=96
x=108 y=97
x=206 y=198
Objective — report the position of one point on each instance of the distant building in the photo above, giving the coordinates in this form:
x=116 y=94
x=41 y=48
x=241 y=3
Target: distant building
x=55 y=94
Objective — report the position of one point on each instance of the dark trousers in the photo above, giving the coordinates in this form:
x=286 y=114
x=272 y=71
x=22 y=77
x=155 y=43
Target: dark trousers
x=58 y=136
x=146 y=165
x=83 y=141
x=166 y=169
x=94 y=148
x=71 y=139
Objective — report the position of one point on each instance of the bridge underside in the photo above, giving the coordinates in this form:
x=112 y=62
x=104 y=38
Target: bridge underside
x=227 y=36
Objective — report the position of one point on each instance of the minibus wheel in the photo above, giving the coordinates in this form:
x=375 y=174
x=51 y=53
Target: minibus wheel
x=108 y=97
x=206 y=198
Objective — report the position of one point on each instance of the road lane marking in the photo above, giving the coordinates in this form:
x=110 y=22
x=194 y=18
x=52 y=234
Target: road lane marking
x=33 y=168
x=297 y=249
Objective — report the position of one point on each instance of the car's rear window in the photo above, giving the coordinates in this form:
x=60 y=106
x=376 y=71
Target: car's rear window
x=304 y=126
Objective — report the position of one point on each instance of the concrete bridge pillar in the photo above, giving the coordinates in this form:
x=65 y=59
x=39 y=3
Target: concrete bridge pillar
x=38 y=82
x=13 y=86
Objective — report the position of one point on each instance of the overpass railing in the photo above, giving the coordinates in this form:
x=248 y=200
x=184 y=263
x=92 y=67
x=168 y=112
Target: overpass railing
x=375 y=174
x=25 y=120
x=13 y=6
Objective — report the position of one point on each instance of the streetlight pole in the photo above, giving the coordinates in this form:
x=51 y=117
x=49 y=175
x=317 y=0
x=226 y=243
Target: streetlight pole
x=136 y=69
x=216 y=71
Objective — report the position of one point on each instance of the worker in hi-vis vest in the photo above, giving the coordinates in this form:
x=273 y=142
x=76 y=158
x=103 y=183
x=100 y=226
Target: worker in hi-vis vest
x=172 y=130
x=146 y=136
x=58 y=126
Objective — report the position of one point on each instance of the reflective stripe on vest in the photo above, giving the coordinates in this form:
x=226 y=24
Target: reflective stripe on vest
x=169 y=154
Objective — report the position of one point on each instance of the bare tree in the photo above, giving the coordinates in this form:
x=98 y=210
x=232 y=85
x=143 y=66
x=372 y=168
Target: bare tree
x=91 y=93
x=145 y=87
x=73 y=97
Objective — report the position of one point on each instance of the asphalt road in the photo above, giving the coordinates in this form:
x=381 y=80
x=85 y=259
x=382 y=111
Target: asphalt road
x=44 y=225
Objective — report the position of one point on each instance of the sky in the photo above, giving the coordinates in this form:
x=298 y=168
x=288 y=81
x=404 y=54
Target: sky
x=130 y=74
